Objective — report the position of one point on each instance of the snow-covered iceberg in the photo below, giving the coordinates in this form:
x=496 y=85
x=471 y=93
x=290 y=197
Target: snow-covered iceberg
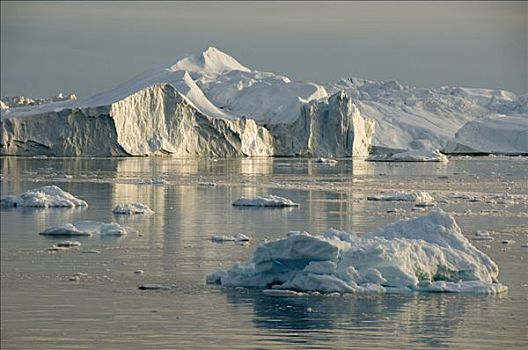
x=43 y=197
x=131 y=209
x=209 y=104
x=427 y=254
x=265 y=201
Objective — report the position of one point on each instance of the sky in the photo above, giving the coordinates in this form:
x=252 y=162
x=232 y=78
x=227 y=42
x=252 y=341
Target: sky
x=88 y=47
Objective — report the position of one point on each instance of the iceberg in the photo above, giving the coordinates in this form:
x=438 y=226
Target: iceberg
x=265 y=201
x=43 y=197
x=132 y=208
x=424 y=254
x=415 y=196
x=86 y=229
x=210 y=105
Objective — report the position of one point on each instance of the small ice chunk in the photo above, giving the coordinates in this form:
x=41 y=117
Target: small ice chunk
x=482 y=235
x=132 y=208
x=326 y=161
x=66 y=230
x=113 y=229
x=154 y=181
x=238 y=237
x=154 y=286
x=69 y=244
x=43 y=197
x=265 y=201
x=413 y=155
x=210 y=184
x=420 y=197
x=85 y=228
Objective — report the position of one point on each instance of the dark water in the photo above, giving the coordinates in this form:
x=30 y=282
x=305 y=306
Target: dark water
x=42 y=309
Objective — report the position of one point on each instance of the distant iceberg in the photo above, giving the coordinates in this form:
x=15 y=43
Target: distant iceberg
x=265 y=201
x=425 y=254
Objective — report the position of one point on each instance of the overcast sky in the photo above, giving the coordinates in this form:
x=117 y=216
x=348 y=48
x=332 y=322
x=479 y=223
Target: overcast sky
x=84 y=48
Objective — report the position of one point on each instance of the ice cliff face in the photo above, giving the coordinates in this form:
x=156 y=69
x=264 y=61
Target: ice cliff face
x=155 y=120
x=208 y=104
x=326 y=128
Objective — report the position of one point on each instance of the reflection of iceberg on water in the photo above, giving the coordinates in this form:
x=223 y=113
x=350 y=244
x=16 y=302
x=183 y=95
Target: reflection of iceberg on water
x=427 y=254
x=357 y=319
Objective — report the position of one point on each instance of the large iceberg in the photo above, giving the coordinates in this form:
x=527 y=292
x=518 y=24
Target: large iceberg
x=427 y=254
x=208 y=104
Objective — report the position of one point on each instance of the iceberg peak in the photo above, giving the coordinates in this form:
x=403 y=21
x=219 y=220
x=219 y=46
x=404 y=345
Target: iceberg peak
x=210 y=61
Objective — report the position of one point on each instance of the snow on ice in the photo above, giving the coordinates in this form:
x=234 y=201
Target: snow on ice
x=425 y=254
x=265 y=201
x=43 y=197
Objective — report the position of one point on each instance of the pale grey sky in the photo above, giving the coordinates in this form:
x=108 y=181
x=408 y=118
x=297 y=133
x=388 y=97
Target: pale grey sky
x=86 y=47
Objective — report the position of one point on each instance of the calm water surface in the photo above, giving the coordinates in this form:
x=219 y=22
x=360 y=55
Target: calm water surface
x=42 y=309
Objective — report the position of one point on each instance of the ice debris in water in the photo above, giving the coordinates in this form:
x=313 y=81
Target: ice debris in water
x=413 y=155
x=326 y=161
x=482 y=235
x=43 y=197
x=132 y=208
x=265 y=201
x=155 y=181
x=69 y=244
x=421 y=198
x=239 y=237
x=427 y=254
x=86 y=228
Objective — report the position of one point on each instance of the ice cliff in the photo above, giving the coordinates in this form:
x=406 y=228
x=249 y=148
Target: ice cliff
x=332 y=127
x=155 y=120
x=209 y=104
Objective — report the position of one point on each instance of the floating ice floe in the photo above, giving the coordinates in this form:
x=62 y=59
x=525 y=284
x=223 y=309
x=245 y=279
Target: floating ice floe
x=86 y=228
x=43 y=197
x=132 y=208
x=326 y=161
x=426 y=254
x=206 y=184
x=154 y=181
x=421 y=198
x=412 y=155
x=265 y=201
x=239 y=237
x=483 y=236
